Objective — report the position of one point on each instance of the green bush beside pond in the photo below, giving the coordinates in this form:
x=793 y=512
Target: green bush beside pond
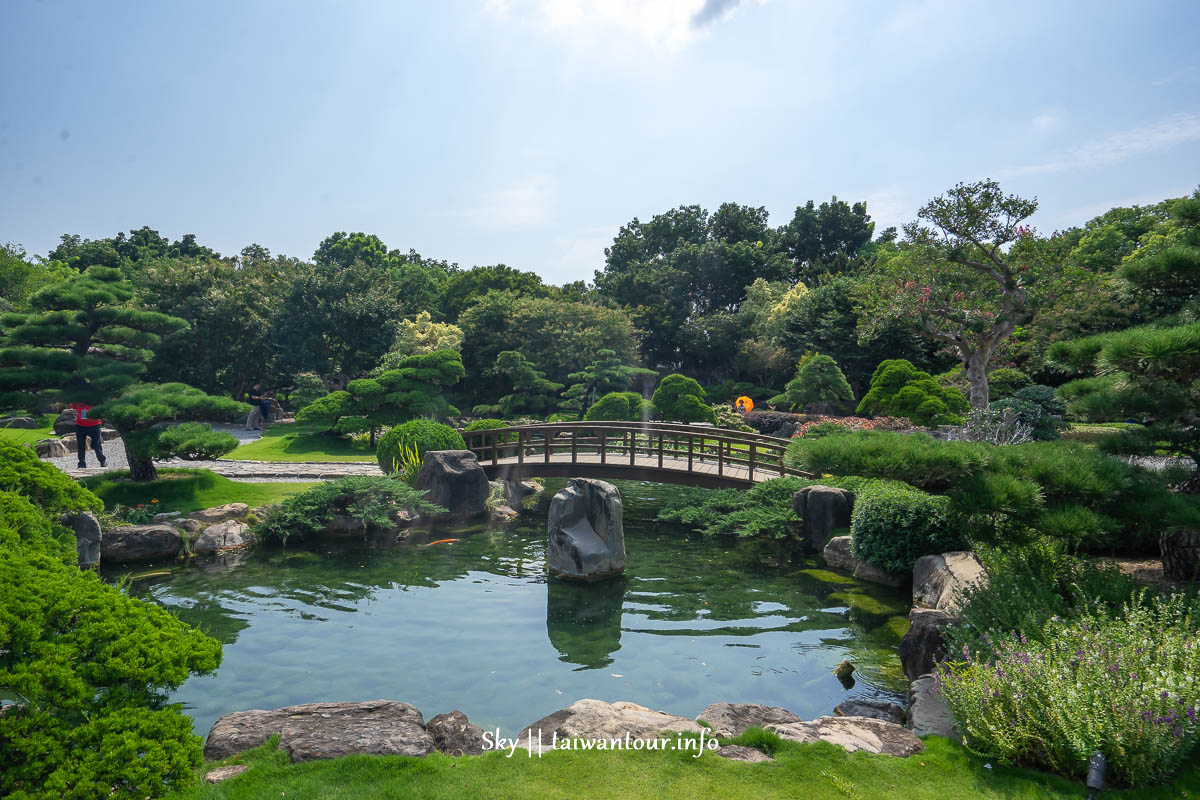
x=372 y=500
x=89 y=666
x=1004 y=494
x=424 y=434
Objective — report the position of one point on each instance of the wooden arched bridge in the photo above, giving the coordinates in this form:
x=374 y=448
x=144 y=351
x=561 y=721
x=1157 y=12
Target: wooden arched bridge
x=692 y=455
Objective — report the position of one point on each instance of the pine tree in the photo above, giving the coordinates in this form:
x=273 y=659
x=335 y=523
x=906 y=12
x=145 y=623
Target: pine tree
x=1150 y=373
x=413 y=389
x=606 y=374
x=85 y=342
x=818 y=381
x=532 y=393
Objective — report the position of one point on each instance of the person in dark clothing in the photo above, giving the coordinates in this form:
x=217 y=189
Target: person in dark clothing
x=87 y=428
x=261 y=413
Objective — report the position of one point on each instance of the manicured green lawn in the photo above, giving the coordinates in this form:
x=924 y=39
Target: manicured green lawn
x=294 y=442
x=813 y=772
x=1091 y=431
x=187 y=490
x=27 y=436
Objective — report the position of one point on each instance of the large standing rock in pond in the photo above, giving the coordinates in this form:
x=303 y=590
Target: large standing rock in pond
x=854 y=733
x=586 y=536
x=732 y=719
x=822 y=510
x=324 y=730
x=939 y=580
x=140 y=543
x=1180 y=555
x=211 y=516
x=228 y=535
x=928 y=714
x=596 y=719
x=51 y=448
x=454 y=735
x=924 y=645
x=87 y=536
x=454 y=480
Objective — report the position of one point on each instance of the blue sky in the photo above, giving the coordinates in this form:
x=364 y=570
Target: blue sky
x=527 y=131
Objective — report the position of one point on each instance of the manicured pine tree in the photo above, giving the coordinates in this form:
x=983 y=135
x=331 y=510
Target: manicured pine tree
x=1149 y=373
x=679 y=398
x=413 y=389
x=606 y=374
x=819 y=381
x=84 y=341
x=532 y=392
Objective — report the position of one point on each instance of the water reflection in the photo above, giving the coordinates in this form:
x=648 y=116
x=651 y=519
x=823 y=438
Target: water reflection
x=583 y=621
x=475 y=624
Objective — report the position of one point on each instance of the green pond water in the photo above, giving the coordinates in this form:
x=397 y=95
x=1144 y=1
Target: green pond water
x=476 y=625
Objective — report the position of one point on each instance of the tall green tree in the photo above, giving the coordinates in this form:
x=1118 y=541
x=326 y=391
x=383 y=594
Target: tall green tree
x=416 y=387
x=531 y=392
x=608 y=373
x=826 y=237
x=85 y=342
x=231 y=306
x=337 y=321
x=957 y=279
x=1150 y=372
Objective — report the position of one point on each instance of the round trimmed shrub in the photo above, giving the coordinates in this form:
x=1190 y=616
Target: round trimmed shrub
x=425 y=434
x=626 y=406
x=490 y=425
x=894 y=524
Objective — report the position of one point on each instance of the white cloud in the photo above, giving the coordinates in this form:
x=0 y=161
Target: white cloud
x=1115 y=148
x=1046 y=121
x=662 y=24
x=890 y=206
x=526 y=204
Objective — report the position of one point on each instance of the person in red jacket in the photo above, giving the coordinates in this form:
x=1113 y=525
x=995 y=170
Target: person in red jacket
x=87 y=427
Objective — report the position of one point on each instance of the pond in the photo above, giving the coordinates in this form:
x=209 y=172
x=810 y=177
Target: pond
x=476 y=625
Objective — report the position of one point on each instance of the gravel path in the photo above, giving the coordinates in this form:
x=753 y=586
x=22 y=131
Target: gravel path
x=257 y=471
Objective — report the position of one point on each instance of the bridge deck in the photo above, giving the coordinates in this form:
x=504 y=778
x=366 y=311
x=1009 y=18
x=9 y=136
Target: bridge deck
x=673 y=470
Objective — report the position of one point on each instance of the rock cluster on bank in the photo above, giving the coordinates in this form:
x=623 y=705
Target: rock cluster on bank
x=389 y=727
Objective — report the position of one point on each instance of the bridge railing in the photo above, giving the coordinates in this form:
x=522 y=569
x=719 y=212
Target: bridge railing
x=665 y=445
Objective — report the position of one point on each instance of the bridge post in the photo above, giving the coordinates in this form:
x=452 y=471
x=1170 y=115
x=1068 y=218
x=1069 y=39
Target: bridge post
x=720 y=456
x=574 y=445
x=521 y=446
x=603 y=445
x=753 y=452
x=632 y=446
x=495 y=447
x=690 y=442
x=660 y=448
x=546 y=436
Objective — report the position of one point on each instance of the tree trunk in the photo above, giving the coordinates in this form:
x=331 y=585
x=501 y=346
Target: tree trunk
x=140 y=469
x=976 y=365
x=372 y=437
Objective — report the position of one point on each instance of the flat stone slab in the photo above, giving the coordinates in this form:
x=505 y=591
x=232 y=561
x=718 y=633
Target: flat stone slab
x=596 y=719
x=324 y=730
x=853 y=734
x=732 y=719
x=869 y=707
x=224 y=773
x=737 y=752
x=211 y=516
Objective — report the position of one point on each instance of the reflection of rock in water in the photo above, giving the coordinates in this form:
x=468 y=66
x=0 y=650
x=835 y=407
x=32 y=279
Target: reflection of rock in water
x=583 y=621
x=223 y=561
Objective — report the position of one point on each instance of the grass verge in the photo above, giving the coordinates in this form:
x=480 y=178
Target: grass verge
x=292 y=442
x=28 y=436
x=187 y=490
x=811 y=771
